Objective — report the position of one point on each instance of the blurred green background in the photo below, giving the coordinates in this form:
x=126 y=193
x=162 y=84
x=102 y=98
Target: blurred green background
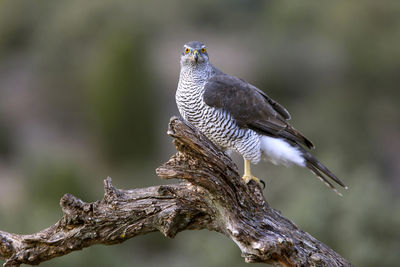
x=87 y=89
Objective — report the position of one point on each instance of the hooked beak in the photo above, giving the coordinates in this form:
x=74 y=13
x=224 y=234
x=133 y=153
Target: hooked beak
x=196 y=55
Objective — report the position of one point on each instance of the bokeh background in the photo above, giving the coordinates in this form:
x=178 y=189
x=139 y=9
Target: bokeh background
x=87 y=89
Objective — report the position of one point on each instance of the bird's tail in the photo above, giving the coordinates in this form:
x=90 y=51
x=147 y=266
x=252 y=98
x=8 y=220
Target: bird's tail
x=321 y=171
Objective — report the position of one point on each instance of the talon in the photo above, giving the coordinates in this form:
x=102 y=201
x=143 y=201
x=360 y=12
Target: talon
x=248 y=178
x=263 y=184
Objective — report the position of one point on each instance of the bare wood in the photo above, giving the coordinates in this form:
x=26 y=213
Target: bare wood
x=212 y=197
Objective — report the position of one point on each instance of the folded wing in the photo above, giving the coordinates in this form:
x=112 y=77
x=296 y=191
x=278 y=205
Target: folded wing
x=251 y=108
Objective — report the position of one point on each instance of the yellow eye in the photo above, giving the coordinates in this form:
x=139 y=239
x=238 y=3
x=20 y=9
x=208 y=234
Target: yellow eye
x=203 y=50
x=187 y=50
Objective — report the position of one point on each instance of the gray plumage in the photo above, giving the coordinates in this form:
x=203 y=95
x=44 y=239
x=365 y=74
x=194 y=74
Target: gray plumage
x=236 y=115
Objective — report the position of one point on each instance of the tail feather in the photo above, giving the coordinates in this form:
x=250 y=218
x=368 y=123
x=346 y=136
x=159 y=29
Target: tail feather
x=299 y=136
x=321 y=171
x=322 y=178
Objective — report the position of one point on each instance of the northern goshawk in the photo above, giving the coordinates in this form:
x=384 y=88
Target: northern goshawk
x=236 y=115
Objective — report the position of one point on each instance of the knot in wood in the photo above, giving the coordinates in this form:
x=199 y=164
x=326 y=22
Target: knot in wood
x=70 y=203
x=110 y=192
x=6 y=247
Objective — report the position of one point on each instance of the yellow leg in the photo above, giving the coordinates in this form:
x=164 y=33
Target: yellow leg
x=247 y=177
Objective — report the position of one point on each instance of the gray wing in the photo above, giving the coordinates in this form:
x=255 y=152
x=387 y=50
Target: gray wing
x=251 y=108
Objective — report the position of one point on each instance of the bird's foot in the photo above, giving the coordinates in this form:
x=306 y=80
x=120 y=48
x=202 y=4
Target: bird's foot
x=247 y=178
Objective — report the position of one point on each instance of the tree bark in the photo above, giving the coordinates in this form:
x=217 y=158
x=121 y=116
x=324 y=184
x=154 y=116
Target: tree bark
x=212 y=196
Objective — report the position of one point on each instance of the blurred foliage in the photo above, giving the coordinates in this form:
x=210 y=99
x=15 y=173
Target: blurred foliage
x=5 y=140
x=53 y=179
x=118 y=95
x=86 y=89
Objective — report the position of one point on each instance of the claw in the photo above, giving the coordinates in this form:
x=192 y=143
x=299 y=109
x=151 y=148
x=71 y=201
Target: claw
x=263 y=184
x=248 y=178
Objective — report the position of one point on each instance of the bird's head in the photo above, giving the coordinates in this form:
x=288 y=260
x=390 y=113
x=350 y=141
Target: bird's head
x=194 y=54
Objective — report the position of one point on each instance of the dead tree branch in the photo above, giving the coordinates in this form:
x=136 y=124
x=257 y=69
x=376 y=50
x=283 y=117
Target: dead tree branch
x=212 y=197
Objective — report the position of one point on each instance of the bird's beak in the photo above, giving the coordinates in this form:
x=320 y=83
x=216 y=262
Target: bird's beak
x=196 y=55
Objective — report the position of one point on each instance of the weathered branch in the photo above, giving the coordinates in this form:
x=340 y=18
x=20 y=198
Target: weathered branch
x=212 y=197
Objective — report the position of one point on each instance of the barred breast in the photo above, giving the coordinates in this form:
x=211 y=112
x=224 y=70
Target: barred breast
x=216 y=124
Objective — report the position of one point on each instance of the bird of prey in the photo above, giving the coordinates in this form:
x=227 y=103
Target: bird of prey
x=238 y=116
